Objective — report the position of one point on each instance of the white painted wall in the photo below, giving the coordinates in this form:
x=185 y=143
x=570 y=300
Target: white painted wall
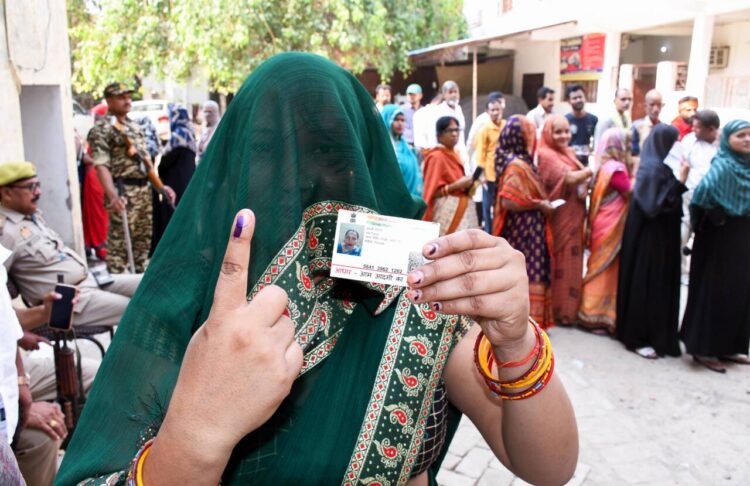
x=36 y=54
x=533 y=57
x=736 y=76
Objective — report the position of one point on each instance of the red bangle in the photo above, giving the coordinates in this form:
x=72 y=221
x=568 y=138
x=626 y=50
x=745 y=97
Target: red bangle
x=534 y=351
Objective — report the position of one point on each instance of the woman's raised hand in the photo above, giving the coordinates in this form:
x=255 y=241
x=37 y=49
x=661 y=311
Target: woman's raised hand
x=238 y=367
x=477 y=275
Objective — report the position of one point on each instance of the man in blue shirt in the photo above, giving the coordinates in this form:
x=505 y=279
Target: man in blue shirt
x=582 y=124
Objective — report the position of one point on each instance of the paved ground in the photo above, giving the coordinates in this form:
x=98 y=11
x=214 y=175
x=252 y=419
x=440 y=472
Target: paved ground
x=664 y=422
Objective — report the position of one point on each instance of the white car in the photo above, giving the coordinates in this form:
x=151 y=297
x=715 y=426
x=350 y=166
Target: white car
x=157 y=111
x=82 y=120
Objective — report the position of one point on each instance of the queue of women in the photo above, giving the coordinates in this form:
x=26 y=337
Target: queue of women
x=630 y=224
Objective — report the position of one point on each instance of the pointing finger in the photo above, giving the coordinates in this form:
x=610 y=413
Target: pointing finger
x=231 y=287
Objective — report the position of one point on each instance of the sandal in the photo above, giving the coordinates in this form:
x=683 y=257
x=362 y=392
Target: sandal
x=736 y=358
x=647 y=352
x=710 y=363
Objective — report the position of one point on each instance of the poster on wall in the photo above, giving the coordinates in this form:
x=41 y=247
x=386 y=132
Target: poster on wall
x=582 y=55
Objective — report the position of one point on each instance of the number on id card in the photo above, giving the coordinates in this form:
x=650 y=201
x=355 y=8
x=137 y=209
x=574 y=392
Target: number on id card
x=379 y=249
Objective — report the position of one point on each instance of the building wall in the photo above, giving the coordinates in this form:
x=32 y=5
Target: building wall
x=647 y=49
x=36 y=106
x=534 y=57
x=728 y=89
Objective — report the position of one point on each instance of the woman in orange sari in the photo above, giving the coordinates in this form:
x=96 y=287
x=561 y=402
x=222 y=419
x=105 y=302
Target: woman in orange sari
x=445 y=184
x=564 y=177
x=523 y=211
x=609 y=209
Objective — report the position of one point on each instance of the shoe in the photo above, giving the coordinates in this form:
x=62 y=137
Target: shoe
x=647 y=352
x=736 y=358
x=710 y=363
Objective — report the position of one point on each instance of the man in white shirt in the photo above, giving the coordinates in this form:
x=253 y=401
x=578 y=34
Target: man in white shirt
x=38 y=427
x=448 y=107
x=424 y=125
x=698 y=149
x=544 y=109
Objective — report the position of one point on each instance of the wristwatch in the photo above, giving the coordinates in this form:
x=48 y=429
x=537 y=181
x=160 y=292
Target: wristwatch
x=24 y=380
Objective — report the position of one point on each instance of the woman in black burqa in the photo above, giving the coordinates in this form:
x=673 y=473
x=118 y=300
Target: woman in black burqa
x=648 y=300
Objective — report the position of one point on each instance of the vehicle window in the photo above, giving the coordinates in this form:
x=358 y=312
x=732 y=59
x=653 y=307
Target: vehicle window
x=78 y=109
x=148 y=107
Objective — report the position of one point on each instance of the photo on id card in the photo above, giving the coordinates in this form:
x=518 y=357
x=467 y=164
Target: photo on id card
x=379 y=249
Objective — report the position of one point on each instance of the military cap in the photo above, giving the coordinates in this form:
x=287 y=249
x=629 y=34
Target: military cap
x=11 y=172
x=115 y=89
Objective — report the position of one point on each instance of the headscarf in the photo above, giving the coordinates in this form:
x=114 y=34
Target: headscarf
x=407 y=159
x=517 y=141
x=613 y=146
x=150 y=136
x=548 y=149
x=657 y=191
x=181 y=130
x=727 y=183
x=301 y=138
x=210 y=127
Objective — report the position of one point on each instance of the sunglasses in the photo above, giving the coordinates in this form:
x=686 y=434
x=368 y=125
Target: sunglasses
x=31 y=186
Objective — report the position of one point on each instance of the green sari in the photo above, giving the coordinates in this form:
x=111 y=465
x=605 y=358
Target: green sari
x=301 y=140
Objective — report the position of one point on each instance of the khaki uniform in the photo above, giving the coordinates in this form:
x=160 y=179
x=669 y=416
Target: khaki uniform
x=39 y=255
x=110 y=150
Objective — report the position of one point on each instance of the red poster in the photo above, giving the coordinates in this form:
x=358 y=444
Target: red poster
x=582 y=54
x=593 y=52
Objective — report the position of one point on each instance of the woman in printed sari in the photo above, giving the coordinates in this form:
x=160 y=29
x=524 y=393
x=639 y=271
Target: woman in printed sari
x=315 y=380
x=564 y=178
x=395 y=123
x=609 y=209
x=524 y=210
x=446 y=188
x=716 y=326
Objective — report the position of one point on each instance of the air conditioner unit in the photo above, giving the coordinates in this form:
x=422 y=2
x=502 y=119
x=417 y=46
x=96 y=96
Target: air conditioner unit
x=719 y=58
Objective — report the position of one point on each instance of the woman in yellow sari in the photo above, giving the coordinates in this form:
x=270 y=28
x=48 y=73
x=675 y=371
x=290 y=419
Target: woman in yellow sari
x=609 y=209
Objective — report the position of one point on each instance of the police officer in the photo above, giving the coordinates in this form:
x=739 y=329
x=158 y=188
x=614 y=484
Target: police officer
x=39 y=254
x=118 y=143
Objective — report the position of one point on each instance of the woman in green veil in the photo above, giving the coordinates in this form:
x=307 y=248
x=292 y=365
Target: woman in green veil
x=354 y=383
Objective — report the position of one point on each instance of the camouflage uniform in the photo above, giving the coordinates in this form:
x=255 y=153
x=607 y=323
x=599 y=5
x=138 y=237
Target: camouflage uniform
x=110 y=150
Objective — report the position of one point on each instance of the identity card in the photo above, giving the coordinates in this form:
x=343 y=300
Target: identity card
x=379 y=249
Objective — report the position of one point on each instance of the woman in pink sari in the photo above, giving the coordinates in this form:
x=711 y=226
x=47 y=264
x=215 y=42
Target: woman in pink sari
x=609 y=209
x=564 y=177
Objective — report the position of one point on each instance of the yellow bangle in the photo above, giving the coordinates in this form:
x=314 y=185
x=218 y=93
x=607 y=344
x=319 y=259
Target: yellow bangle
x=139 y=466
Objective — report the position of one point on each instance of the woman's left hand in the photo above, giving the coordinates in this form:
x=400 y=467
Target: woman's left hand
x=477 y=275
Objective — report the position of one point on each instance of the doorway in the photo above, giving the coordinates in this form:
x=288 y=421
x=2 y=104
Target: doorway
x=644 y=80
x=530 y=84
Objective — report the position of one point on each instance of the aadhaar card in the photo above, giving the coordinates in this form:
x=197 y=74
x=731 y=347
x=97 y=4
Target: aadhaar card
x=379 y=249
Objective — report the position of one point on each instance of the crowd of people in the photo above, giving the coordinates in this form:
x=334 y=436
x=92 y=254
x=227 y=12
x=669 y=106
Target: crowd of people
x=609 y=214
x=603 y=209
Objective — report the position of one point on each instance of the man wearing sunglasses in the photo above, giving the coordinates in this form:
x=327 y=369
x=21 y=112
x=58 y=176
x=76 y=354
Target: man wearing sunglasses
x=40 y=255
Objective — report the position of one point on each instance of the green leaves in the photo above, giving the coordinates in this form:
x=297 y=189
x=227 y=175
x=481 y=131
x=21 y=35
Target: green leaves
x=226 y=39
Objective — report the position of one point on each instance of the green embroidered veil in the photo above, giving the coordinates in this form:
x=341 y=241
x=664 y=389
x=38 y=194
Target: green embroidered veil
x=301 y=139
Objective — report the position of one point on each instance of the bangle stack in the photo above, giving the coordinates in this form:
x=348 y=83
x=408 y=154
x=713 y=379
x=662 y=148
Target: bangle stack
x=135 y=473
x=531 y=382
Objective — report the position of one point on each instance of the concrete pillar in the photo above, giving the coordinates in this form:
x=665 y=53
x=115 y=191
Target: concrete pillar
x=700 y=51
x=626 y=77
x=610 y=71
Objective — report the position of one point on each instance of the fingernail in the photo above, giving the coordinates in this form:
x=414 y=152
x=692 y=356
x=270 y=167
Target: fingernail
x=437 y=306
x=239 y=225
x=416 y=295
x=432 y=248
x=56 y=296
x=417 y=277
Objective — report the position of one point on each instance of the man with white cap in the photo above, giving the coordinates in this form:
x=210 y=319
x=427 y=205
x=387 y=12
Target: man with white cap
x=414 y=94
